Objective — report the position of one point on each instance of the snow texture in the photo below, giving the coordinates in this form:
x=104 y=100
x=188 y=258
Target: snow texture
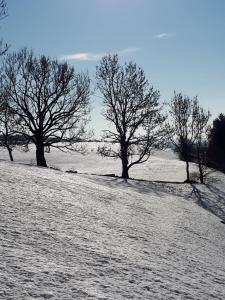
x=73 y=236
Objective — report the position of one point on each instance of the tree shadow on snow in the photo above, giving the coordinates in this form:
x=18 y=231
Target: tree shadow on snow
x=209 y=196
x=159 y=188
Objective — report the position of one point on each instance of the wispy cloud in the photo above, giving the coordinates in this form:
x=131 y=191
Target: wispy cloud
x=83 y=56
x=89 y=56
x=163 y=36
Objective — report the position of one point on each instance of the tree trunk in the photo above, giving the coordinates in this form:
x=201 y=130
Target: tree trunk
x=124 y=158
x=201 y=175
x=200 y=168
x=7 y=145
x=187 y=172
x=125 y=173
x=10 y=152
x=40 y=155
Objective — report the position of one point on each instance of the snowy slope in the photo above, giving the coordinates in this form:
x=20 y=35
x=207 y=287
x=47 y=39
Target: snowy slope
x=68 y=236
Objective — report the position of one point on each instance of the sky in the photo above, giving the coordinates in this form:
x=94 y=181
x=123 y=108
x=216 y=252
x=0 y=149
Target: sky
x=180 y=44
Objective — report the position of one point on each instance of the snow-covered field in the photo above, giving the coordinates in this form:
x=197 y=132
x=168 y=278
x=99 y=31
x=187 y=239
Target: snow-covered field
x=160 y=166
x=78 y=236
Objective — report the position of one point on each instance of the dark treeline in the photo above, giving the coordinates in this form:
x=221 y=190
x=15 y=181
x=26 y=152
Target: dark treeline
x=47 y=103
x=216 y=144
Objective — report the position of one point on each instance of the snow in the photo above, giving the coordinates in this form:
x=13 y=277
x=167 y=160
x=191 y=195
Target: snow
x=79 y=236
x=160 y=165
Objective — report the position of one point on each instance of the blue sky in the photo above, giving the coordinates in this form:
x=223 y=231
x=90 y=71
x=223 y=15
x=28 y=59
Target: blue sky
x=179 y=43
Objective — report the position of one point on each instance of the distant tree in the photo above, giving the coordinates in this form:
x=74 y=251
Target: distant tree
x=188 y=126
x=51 y=100
x=200 y=127
x=181 y=128
x=132 y=106
x=216 y=149
x=7 y=123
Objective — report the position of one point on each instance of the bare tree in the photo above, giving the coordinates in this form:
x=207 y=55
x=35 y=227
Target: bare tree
x=188 y=130
x=132 y=106
x=7 y=124
x=201 y=132
x=51 y=100
x=182 y=128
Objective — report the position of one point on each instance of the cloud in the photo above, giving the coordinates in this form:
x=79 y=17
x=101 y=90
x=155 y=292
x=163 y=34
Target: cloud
x=83 y=56
x=163 y=36
x=89 y=56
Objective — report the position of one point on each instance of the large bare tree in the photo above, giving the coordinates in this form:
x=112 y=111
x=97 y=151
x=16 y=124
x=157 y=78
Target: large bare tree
x=51 y=100
x=132 y=106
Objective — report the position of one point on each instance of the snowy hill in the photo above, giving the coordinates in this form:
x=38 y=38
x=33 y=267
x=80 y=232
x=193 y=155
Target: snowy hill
x=73 y=236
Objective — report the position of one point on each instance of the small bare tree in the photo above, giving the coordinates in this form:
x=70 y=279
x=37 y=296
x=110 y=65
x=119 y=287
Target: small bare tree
x=188 y=127
x=182 y=128
x=201 y=132
x=133 y=108
x=51 y=100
